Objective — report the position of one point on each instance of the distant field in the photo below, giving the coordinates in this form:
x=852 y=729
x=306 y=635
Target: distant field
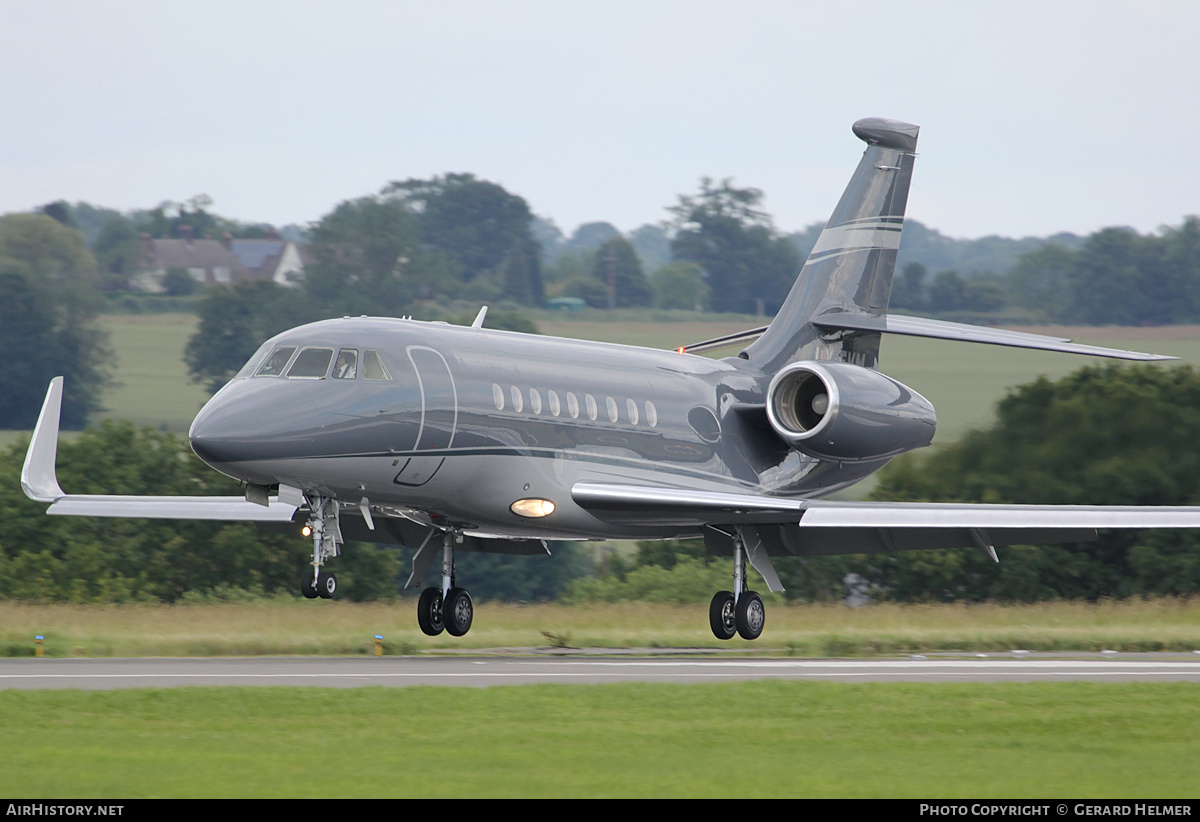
x=962 y=380
x=155 y=389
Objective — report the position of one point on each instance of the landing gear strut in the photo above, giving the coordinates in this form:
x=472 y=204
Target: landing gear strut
x=447 y=608
x=327 y=541
x=740 y=611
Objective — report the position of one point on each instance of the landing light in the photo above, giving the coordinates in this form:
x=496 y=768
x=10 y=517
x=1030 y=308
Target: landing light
x=532 y=507
x=306 y=531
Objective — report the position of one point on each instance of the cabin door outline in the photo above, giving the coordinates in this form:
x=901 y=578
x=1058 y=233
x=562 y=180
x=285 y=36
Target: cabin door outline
x=439 y=415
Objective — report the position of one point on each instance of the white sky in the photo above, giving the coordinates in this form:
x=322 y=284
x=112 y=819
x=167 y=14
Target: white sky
x=1036 y=117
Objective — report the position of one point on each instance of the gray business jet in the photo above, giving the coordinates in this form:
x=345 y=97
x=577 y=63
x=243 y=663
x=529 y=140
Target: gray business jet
x=445 y=438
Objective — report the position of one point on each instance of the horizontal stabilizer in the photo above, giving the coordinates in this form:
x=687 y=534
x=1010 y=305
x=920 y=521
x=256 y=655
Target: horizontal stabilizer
x=941 y=330
x=936 y=329
x=39 y=480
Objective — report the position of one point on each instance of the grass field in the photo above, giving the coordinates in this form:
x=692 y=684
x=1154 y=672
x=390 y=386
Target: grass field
x=757 y=739
x=301 y=627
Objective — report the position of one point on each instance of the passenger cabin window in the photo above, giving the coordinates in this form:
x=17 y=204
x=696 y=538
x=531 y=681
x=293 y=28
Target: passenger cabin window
x=278 y=360
x=373 y=366
x=311 y=364
x=346 y=366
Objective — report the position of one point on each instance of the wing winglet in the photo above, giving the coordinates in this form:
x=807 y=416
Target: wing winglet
x=39 y=480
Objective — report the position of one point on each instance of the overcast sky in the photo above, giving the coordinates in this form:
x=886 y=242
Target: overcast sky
x=1036 y=117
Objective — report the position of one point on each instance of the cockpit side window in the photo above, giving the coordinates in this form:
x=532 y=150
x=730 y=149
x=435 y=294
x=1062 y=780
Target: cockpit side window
x=254 y=362
x=346 y=365
x=373 y=367
x=278 y=360
x=311 y=364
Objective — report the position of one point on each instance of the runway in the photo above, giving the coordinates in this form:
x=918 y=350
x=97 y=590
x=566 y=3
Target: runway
x=486 y=671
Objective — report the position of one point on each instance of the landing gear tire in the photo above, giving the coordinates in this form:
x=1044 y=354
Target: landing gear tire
x=721 y=615
x=326 y=585
x=429 y=611
x=458 y=611
x=307 y=587
x=750 y=615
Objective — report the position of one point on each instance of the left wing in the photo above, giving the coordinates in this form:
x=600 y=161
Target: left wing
x=808 y=527
x=39 y=480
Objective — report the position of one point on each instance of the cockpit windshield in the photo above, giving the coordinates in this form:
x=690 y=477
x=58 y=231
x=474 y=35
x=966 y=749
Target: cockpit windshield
x=311 y=363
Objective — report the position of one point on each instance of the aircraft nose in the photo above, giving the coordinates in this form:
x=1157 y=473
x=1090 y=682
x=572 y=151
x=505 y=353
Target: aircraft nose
x=217 y=432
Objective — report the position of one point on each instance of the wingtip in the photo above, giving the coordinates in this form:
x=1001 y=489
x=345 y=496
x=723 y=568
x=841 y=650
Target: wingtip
x=39 y=479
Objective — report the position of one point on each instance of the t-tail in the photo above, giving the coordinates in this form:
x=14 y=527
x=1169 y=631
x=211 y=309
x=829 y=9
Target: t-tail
x=849 y=270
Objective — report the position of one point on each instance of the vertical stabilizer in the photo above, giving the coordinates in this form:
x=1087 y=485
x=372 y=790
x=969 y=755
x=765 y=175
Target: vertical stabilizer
x=850 y=268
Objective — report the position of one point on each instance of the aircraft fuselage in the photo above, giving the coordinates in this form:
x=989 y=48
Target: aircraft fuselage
x=472 y=419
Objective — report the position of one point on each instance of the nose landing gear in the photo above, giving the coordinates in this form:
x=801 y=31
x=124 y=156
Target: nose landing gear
x=327 y=541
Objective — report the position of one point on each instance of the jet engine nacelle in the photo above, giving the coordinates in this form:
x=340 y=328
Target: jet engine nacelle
x=838 y=411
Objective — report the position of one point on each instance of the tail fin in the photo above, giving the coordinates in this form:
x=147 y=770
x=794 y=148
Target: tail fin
x=850 y=268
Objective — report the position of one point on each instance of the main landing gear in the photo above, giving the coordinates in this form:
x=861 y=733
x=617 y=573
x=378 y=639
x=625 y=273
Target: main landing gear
x=739 y=611
x=327 y=540
x=448 y=608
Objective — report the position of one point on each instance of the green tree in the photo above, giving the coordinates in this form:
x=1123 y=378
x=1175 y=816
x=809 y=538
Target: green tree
x=1113 y=281
x=680 y=285
x=1112 y=435
x=118 y=248
x=948 y=292
x=617 y=265
x=92 y=559
x=479 y=227
x=909 y=290
x=1040 y=281
x=368 y=258
x=48 y=322
x=234 y=322
x=746 y=260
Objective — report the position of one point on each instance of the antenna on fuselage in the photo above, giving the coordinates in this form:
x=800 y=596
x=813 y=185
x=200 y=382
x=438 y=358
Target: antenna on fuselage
x=479 y=317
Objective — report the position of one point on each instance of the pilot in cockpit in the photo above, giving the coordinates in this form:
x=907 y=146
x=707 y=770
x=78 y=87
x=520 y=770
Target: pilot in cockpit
x=346 y=366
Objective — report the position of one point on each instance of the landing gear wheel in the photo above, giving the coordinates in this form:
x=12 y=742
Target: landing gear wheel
x=307 y=587
x=429 y=611
x=721 y=616
x=326 y=585
x=458 y=611
x=750 y=615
